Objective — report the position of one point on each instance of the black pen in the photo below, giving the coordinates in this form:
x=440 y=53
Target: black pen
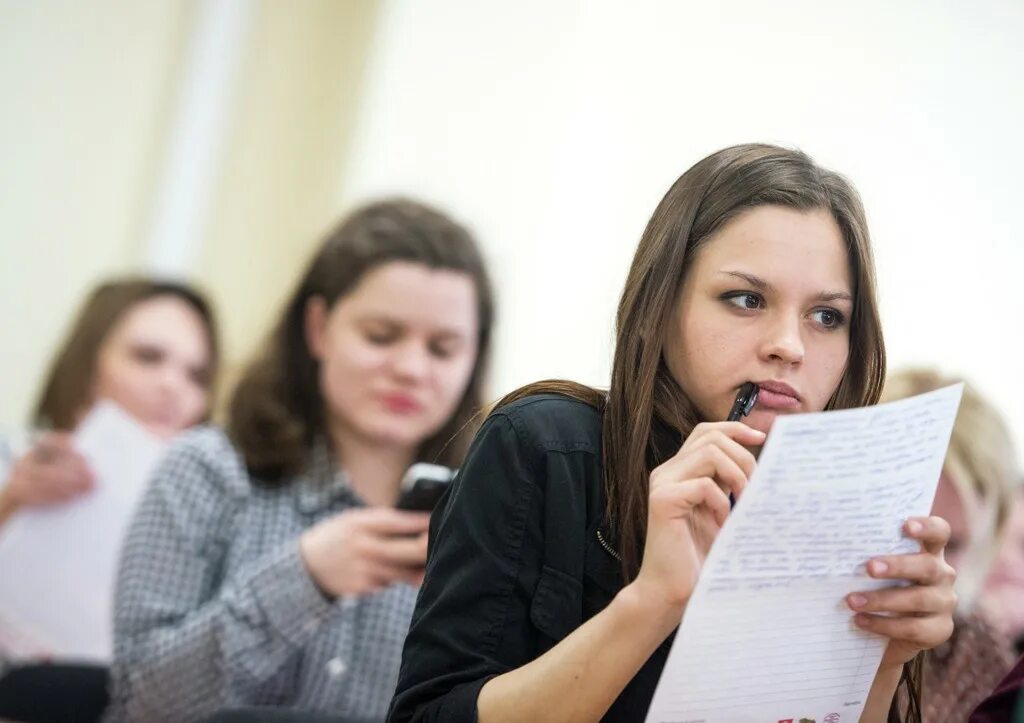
x=744 y=404
x=745 y=401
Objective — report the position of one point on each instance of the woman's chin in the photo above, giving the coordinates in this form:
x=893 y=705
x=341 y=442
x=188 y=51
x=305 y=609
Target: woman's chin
x=398 y=434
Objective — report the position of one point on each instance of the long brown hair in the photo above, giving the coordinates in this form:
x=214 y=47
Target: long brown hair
x=277 y=409
x=67 y=391
x=646 y=415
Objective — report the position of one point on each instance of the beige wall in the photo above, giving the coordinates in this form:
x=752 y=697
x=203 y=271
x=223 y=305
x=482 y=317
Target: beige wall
x=83 y=88
x=297 y=97
x=86 y=91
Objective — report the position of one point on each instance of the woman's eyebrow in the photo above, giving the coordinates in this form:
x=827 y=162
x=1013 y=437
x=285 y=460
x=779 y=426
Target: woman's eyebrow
x=764 y=285
x=756 y=281
x=441 y=332
x=835 y=296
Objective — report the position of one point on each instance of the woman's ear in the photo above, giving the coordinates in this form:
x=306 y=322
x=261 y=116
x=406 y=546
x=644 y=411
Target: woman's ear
x=316 y=326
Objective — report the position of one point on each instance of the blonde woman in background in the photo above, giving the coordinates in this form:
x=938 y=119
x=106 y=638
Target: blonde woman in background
x=1002 y=600
x=975 y=495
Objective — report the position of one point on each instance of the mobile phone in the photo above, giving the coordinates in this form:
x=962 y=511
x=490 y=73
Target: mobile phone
x=423 y=486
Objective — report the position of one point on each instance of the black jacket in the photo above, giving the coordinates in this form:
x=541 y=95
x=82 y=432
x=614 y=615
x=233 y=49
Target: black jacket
x=515 y=563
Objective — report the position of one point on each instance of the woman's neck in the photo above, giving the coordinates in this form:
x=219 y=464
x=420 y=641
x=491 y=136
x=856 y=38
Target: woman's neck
x=374 y=470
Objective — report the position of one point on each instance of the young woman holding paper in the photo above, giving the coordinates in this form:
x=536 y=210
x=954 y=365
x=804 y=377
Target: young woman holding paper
x=570 y=543
x=147 y=345
x=266 y=565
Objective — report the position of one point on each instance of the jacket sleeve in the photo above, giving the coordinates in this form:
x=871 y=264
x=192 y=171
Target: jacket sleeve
x=472 y=617
x=186 y=641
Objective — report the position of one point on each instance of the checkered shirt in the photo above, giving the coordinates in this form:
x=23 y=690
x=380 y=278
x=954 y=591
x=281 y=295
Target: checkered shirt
x=214 y=607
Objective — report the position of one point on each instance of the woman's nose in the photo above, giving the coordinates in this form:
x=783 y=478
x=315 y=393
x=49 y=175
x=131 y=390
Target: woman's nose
x=413 y=361
x=784 y=341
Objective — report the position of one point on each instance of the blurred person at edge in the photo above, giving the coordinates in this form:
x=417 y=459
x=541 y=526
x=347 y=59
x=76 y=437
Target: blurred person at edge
x=266 y=566
x=148 y=345
x=1002 y=598
x=976 y=493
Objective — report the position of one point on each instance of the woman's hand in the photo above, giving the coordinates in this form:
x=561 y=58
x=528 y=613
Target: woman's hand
x=363 y=550
x=51 y=472
x=688 y=504
x=919 y=616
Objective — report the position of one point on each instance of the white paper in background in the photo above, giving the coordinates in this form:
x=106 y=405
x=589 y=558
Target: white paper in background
x=58 y=564
x=767 y=635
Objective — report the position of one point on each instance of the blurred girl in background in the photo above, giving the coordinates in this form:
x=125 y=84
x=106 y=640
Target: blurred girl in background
x=150 y=346
x=266 y=565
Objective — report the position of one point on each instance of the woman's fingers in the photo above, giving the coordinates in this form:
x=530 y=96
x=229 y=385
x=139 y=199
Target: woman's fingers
x=388 y=521
x=932 y=532
x=50 y=446
x=681 y=498
x=403 y=552
x=54 y=471
x=706 y=461
x=735 y=450
x=920 y=568
x=922 y=632
x=920 y=615
x=60 y=479
x=738 y=431
x=381 y=575
x=715 y=451
x=913 y=600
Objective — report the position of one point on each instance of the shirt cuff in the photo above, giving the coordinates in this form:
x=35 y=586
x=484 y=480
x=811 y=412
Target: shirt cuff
x=290 y=600
x=460 y=703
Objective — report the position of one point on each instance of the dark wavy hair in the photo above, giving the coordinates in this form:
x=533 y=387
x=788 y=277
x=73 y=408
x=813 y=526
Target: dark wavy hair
x=277 y=409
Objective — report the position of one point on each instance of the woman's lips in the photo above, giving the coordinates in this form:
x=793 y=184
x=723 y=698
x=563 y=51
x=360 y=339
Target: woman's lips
x=774 y=401
x=777 y=396
x=401 y=403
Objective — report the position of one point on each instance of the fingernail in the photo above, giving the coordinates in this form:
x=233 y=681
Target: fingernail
x=914 y=527
x=863 y=620
x=878 y=567
x=857 y=601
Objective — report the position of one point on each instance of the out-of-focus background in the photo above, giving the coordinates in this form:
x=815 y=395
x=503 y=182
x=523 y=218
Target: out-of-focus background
x=218 y=140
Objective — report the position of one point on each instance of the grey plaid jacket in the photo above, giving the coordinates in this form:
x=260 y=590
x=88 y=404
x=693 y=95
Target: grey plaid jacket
x=214 y=607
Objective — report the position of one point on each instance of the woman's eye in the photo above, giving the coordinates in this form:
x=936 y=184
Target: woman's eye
x=744 y=300
x=441 y=351
x=201 y=377
x=147 y=354
x=829 y=318
x=380 y=338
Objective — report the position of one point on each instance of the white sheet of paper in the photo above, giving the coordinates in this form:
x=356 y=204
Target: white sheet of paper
x=767 y=634
x=58 y=564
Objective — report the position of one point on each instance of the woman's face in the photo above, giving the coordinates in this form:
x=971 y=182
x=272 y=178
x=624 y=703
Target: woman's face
x=156 y=364
x=1003 y=596
x=396 y=353
x=768 y=300
x=949 y=506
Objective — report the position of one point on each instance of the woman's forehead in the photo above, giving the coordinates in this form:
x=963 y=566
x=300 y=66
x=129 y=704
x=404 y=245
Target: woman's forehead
x=781 y=246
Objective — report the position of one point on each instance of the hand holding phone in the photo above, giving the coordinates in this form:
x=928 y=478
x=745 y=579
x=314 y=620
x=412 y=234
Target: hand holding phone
x=365 y=549
x=423 y=486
